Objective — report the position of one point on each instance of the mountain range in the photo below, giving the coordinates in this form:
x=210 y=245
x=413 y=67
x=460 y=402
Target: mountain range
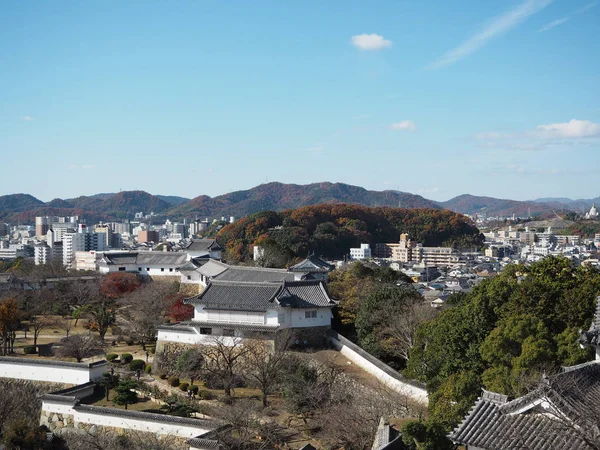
x=23 y=208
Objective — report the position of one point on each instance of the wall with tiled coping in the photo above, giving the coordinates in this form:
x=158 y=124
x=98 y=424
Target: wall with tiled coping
x=378 y=369
x=36 y=369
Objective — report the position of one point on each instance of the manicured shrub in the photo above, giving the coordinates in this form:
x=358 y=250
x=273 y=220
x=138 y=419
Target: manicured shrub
x=137 y=364
x=174 y=381
x=29 y=350
x=129 y=341
x=148 y=369
x=195 y=389
x=111 y=357
x=162 y=376
x=126 y=358
x=205 y=395
x=184 y=387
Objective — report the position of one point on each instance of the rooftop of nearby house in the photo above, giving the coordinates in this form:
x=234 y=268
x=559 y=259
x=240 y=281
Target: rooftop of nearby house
x=496 y=424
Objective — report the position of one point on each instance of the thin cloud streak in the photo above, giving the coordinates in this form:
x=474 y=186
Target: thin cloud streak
x=496 y=28
x=553 y=24
x=586 y=7
x=406 y=125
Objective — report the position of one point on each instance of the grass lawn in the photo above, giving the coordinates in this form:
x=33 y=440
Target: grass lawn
x=143 y=404
x=55 y=333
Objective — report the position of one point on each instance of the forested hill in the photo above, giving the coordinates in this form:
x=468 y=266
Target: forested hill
x=271 y=196
x=265 y=197
x=472 y=204
x=280 y=196
x=330 y=230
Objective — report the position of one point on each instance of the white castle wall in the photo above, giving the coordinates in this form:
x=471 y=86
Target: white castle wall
x=51 y=371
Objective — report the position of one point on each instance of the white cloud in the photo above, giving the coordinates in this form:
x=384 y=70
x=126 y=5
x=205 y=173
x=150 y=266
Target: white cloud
x=572 y=129
x=407 y=125
x=27 y=118
x=553 y=24
x=495 y=28
x=370 y=42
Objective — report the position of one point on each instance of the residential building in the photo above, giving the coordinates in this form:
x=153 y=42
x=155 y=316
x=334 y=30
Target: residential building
x=42 y=225
x=406 y=250
x=81 y=241
x=565 y=240
x=435 y=256
x=148 y=236
x=42 y=254
x=87 y=260
x=106 y=229
x=12 y=251
x=364 y=252
x=120 y=228
x=4 y=229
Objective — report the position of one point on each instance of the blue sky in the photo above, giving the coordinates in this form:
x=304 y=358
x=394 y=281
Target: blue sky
x=438 y=98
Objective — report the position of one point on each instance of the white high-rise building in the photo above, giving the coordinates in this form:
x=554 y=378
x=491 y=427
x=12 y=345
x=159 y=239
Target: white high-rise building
x=79 y=242
x=42 y=254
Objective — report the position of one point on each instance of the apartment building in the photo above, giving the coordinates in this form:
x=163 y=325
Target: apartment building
x=81 y=241
x=406 y=251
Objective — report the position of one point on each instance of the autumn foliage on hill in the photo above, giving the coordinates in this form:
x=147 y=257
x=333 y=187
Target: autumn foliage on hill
x=329 y=230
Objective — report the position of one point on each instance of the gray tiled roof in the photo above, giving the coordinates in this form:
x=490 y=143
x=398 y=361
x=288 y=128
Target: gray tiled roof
x=121 y=258
x=6 y=277
x=249 y=296
x=255 y=274
x=304 y=294
x=235 y=295
x=494 y=424
x=387 y=438
x=149 y=258
x=46 y=363
x=158 y=258
x=212 y=268
x=162 y=418
x=312 y=264
x=486 y=427
x=201 y=245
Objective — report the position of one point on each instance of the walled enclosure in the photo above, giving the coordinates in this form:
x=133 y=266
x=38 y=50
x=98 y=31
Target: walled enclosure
x=378 y=369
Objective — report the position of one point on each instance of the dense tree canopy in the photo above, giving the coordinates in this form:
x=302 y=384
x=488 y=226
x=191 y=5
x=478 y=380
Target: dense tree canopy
x=504 y=335
x=331 y=229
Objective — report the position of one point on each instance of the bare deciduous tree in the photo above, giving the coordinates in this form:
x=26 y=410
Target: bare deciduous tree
x=79 y=346
x=265 y=363
x=144 y=309
x=225 y=361
x=401 y=328
x=40 y=323
x=20 y=401
x=80 y=439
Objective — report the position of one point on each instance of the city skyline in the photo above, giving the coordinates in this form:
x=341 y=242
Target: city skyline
x=497 y=99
